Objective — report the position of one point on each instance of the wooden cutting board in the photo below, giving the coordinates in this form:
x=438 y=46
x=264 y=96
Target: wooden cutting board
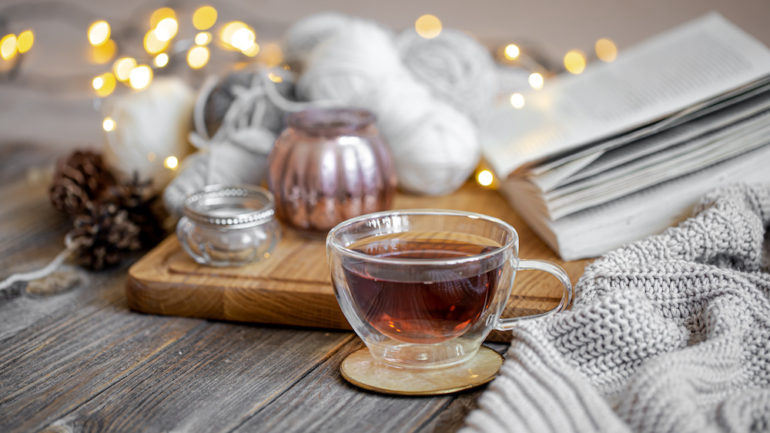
x=293 y=287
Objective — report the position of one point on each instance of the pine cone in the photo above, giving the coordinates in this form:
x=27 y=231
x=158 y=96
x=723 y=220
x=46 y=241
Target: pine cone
x=136 y=198
x=80 y=178
x=104 y=235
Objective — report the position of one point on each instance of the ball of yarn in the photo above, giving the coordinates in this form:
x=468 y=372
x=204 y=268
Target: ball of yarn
x=236 y=120
x=434 y=147
x=302 y=37
x=150 y=126
x=454 y=66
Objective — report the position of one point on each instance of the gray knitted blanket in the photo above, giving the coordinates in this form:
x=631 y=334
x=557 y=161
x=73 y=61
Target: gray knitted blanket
x=669 y=334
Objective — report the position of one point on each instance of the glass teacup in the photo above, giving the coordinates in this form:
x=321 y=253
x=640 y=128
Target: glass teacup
x=423 y=288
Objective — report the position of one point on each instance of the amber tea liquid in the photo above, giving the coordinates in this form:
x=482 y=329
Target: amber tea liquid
x=415 y=302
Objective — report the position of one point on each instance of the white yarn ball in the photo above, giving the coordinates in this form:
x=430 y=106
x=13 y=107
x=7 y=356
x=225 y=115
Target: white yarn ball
x=150 y=126
x=434 y=146
x=455 y=67
x=223 y=164
x=304 y=35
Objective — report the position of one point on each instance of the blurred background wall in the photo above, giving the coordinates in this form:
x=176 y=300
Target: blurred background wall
x=50 y=102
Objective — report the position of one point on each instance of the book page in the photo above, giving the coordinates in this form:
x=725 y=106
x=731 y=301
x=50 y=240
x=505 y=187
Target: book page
x=647 y=82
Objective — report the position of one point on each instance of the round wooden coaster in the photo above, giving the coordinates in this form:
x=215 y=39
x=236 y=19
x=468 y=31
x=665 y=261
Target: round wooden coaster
x=360 y=369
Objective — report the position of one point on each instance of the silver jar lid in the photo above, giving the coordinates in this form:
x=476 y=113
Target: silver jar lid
x=230 y=206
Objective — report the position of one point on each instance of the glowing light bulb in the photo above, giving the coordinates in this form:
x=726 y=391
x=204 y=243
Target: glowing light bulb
x=228 y=30
x=203 y=38
x=171 y=162
x=428 y=26
x=166 y=29
x=24 y=41
x=98 y=33
x=140 y=77
x=606 y=50
x=536 y=80
x=108 y=124
x=575 y=61
x=485 y=178
x=197 y=57
x=152 y=44
x=8 y=47
x=160 y=60
x=160 y=14
x=517 y=101
x=204 y=18
x=511 y=52
x=104 y=84
x=122 y=67
x=243 y=38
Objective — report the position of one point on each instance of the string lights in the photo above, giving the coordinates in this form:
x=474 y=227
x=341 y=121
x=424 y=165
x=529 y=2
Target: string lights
x=428 y=26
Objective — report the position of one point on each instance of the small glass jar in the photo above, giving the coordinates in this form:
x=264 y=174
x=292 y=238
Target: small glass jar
x=229 y=225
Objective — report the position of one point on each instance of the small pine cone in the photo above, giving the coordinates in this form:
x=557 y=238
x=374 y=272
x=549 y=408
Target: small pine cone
x=79 y=179
x=104 y=235
x=138 y=200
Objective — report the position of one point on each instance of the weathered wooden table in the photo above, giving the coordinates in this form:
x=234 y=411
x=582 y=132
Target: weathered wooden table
x=82 y=361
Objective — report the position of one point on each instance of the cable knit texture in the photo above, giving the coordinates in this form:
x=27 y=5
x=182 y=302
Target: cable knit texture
x=668 y=334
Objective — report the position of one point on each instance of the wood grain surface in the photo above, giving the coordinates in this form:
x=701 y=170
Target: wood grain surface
x=293 y=286
x=82 y=360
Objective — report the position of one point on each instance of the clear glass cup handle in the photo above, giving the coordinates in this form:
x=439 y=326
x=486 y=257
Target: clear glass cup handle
x=556 y=271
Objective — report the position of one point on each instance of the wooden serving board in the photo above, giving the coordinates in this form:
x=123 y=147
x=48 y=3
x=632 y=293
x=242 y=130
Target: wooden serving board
x=293 y=286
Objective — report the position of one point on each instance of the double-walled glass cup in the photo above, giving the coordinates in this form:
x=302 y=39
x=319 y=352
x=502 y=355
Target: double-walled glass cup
x=423 y=288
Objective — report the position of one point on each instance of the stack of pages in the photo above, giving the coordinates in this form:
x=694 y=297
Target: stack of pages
x=624 y=150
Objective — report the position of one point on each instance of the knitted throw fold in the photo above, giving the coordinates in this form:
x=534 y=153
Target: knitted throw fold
x=668 y=334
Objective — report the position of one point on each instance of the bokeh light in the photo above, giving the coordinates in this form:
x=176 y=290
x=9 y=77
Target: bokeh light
x=161 y=60
x=8 y=47
x=197 y=57
x=606 y=50
x=104 y=84
x=166 y=29
x=160 y=14
x=171 y=162
x=575 y=61
x=428 y=26
x=517 y=101
x=152 y=44
x=104 y=53
x=140 y=77
x=99 y=33
x=485 y=178
x=512 y=52
x=203 y=38
x=536 y=80
x=24 y=41
x=122 y=67
x=204 y=18
x=108 y=124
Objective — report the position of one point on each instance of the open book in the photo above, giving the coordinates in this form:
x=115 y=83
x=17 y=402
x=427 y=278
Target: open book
x=622 y=151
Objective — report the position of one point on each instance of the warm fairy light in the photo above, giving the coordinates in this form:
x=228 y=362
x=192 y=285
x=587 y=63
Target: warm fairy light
x=272 y=55
x=606 y=50
x=122 y=67
x=24 y=41
x=8 y=47
x=517 y=101
x=166 y=29
x=536 y=80
x=152 y=44
x=140 y=77
x=275 y=77
x=197 y=57
x=203 y=38
x=243 y=38
x=108 y=124
x=485 y=178
x=252 y=51
x=511 y=52
x=171 y=162
x=104 y=84
x=575 y=61
x=104 y=53
x=428 y=26
x=99 y=33
x=228 y=30
x=161 y=14
x=160 y=60
x=204 y=18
